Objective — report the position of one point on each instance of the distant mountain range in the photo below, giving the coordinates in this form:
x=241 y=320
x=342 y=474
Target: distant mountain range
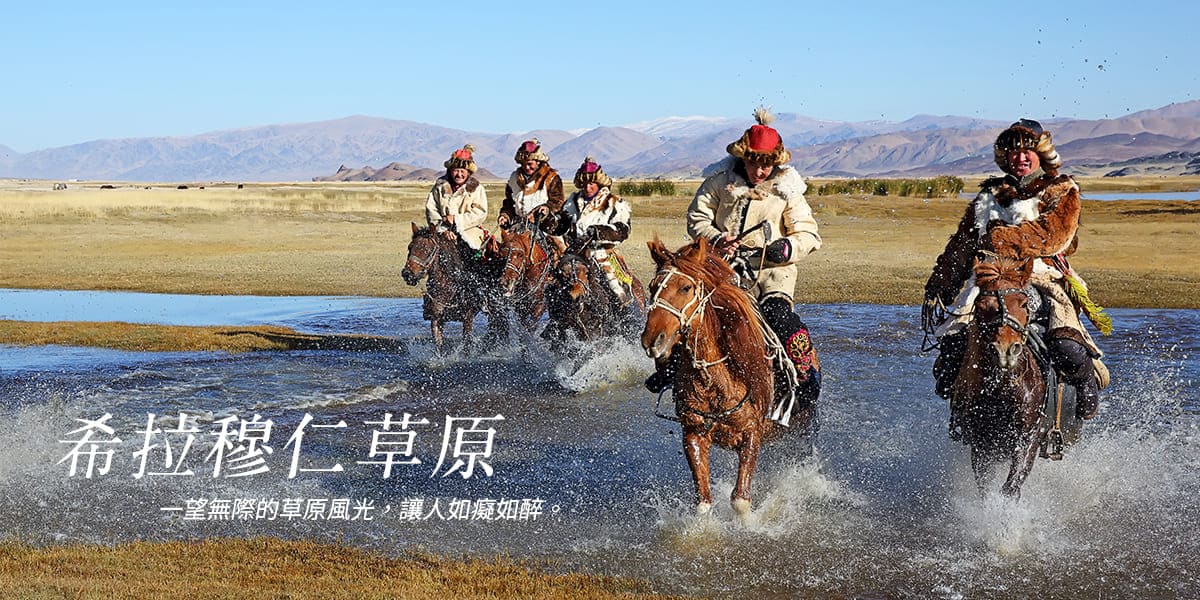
x=1162 y=140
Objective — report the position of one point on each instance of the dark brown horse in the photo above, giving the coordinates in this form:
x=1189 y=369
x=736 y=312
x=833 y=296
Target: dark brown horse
x=581 y=305
x=528 y=260
x=724 y=384
x=455 y=291
x=1000 y=393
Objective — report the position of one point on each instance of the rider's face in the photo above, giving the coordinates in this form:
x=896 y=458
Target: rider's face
x=459 y=176
x=1023 y=162
x=530 y=166
x=758 y=172
x=590 y=189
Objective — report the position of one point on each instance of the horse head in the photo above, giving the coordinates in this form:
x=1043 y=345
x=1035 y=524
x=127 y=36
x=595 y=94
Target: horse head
x=517 y=249
x=1002 y=306
x=572 y=274
x=682 y=285
x=424 y=252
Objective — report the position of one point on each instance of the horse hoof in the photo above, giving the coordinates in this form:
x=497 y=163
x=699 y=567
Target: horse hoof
x=703 y=508
x=741 y=506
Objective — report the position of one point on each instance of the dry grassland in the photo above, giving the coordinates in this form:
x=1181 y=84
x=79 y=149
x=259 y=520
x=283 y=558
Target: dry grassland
x=269 y=568
x=349 y=238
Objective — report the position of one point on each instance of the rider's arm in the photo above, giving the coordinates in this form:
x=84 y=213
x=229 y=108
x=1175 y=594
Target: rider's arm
x=1047 y=235
x=797 y=222
x=508 y=208
x=954 y=265
x=702 y=213
x=433 y=213
x=617 y=228
x=554 y=193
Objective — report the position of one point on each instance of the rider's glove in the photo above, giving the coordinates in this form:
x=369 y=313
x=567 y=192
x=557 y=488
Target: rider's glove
x=779 y=251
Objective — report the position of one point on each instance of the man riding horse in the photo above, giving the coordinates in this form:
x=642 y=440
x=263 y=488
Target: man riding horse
x=456 y=208
x=1032 y=212
x=593 y=222
x=752 y=187
x=534 y=189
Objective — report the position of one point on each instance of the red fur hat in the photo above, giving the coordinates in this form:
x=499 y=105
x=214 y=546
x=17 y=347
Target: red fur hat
x=761 y=143
x=463 y=158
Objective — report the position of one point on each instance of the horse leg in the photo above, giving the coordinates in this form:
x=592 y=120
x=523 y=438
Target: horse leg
x=695 y=448
x=1022 y=461
x=468 y=326
x=747 y=461
x=435 y=327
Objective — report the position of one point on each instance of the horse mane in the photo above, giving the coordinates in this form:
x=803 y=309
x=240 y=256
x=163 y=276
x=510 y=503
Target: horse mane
x=744 y=329
x=992 y=271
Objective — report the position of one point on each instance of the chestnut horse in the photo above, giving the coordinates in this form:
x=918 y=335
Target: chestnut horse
x=999 y=400
x=528 y=260
x=581 y=305
x=724 y=384
x=455 y=292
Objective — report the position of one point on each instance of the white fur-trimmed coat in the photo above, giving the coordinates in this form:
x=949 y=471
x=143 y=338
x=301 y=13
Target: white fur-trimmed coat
x=727 y=203
x=468 y=204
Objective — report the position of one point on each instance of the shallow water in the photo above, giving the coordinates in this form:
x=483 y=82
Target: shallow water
x=1193 y=195
x=583 y=473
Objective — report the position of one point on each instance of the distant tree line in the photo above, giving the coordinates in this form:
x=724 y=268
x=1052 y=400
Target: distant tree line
x=653 y=187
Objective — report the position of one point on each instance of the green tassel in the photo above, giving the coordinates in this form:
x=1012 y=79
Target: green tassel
x=1095 y=313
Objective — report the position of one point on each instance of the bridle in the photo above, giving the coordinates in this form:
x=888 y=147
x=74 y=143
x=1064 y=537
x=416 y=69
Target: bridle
x=696 y=303
x=521 y=270
x=1004 y=319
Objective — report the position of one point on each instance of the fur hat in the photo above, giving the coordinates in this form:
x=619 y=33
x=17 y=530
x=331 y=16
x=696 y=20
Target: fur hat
x=530 y=150
x=591 y=171
x=761 y=143
x=463 y=158
x=1027 y=134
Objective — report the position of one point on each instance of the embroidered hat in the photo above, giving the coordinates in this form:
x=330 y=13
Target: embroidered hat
x=530 y=150
x=463 y=158
x=1027 y=134
x=591 y=171
x=761 y=143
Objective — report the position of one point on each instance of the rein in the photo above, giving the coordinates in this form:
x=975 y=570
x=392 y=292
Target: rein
x=710 y=418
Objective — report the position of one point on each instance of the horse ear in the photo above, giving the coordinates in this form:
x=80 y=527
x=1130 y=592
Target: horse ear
x=658 y=252
x=701 y=249
x=415 y=228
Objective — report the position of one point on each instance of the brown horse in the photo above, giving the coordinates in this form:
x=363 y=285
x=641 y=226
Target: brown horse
x=999 y=394
x=581 y=305
x=455 y=292
x=724 y=384
x=528 y=260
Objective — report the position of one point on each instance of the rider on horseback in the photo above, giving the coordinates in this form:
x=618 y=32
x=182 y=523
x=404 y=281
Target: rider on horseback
x=594 y=221
x=534 y=189
x=752 y=186
x=1030 y=213
x=457 y=203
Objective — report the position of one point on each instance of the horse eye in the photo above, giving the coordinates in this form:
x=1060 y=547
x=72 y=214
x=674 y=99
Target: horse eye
x=686 y=288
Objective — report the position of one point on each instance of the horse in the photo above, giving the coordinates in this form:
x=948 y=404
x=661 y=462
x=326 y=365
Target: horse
x=455 y=291
x=999 y=398
x=724 y=384
x=527 y=264
x=581 y=305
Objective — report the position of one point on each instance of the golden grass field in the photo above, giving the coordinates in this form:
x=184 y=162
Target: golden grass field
x=270 y=568
x=351 y=238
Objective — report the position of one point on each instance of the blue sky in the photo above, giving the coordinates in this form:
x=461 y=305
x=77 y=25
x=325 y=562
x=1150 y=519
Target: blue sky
x=83 y=71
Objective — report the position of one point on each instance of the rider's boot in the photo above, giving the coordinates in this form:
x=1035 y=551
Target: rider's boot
x=664 y=375
x=1072 y=359
x=949 y=361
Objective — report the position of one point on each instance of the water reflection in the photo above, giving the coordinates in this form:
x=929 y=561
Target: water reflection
x=889 y=511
